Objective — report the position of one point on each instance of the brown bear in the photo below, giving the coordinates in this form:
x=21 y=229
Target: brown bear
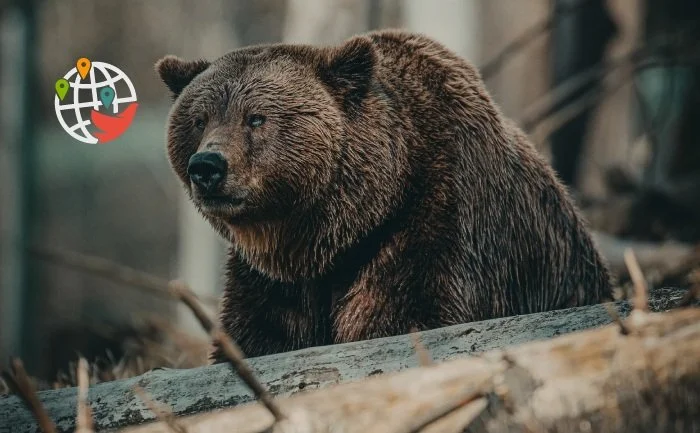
x=368 y=189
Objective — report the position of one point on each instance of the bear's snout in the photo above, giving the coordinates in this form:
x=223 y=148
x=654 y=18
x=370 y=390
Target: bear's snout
x=207 y=170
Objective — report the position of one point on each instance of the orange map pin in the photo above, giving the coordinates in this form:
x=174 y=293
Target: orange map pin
x=83 y=64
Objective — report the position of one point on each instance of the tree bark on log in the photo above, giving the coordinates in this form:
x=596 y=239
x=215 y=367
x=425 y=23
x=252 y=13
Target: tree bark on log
x=646 y=379
x=114 y=404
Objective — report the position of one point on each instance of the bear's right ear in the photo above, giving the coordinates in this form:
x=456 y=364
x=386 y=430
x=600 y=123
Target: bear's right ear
x=177 y=73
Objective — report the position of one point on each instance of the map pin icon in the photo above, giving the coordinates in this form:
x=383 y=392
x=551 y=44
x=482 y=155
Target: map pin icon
x=106 y=96
x=62 y=87
x=83 y=64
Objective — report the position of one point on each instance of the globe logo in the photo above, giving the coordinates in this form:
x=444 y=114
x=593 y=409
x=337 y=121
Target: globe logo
x=95 y=102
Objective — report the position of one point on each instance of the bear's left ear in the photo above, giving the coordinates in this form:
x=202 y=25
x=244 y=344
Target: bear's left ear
x=177 y=73
x=348 y=70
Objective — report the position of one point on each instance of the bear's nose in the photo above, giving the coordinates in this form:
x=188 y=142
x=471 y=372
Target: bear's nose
x=207 y=170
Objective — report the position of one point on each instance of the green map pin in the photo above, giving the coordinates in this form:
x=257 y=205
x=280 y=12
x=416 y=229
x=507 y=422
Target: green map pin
x=62 y=87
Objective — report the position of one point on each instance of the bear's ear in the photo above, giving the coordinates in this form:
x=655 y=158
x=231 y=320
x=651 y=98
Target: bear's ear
x=177 y=73
x=348 y=70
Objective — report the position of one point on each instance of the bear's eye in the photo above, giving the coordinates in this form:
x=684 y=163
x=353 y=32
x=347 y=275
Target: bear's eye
x=200 y=124
x=256 y=120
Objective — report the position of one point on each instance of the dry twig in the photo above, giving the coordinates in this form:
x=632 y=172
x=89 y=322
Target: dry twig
x=546 y=114
x=84 y=421
x=18 y=381
x=529 y=35
x=161 y=411
x=616 y=318
x=641 y=300
x=547 y=124
x=111 y=270
x=230 y=349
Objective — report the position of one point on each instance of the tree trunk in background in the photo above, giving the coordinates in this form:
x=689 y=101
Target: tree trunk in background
x=667 y=109
x=324 y=21
x=579 y=37
x=11 y=190
x=18 y=289
x=523 y=76
x=610 y=138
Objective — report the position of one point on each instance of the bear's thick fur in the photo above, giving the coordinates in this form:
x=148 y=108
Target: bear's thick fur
x=376 y=189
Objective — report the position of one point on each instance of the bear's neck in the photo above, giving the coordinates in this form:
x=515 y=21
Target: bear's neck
x=311 y=247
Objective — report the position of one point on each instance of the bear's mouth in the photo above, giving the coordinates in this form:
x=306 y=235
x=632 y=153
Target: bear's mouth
x=221 y=206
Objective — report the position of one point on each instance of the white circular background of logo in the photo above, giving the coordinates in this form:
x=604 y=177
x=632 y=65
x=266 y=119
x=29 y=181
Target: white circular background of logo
x=76 y=85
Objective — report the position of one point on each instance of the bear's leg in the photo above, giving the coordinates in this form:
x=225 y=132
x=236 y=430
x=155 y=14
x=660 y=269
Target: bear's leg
x=265 y=316
x=397 y=298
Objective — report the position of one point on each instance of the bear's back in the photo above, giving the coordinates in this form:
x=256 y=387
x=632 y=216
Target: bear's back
x=513 y=226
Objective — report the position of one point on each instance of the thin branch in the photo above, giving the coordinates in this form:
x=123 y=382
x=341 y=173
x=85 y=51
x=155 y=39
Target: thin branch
x=110 y=270
x=424 y=358
x=229 y=348
x=546 y=105
x=546 y=125
x=549 y=104
x=84 y=422
x=465 y=407
x=641 y=292
x=181 y=292
x=528 y=36
x=237 y=359
x=616 y=318
x=559 y=118
x=20 y=384
x=162 y=412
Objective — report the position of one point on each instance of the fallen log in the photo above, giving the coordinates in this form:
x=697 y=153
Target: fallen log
x=114 y=404
x=646 y=379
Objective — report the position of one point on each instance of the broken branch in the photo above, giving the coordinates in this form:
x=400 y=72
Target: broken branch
x=229 y=348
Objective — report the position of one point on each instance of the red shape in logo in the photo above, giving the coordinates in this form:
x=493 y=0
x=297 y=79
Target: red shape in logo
x=112 y=127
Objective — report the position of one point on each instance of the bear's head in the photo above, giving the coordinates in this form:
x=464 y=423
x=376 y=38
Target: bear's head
x=285 y=149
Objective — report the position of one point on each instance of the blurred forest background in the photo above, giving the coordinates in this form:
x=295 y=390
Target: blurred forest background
x=608 y=90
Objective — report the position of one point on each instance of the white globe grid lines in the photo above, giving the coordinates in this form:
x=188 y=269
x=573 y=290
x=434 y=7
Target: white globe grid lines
x=79 y=130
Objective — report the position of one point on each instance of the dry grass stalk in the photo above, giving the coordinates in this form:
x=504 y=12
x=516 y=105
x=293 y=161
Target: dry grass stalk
x=19 y=383
x=641 y=297
x=230 y=349
x=155 y=343
x=161 y=411
x=84 y=421
x=195 y=350
x=4 y=389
